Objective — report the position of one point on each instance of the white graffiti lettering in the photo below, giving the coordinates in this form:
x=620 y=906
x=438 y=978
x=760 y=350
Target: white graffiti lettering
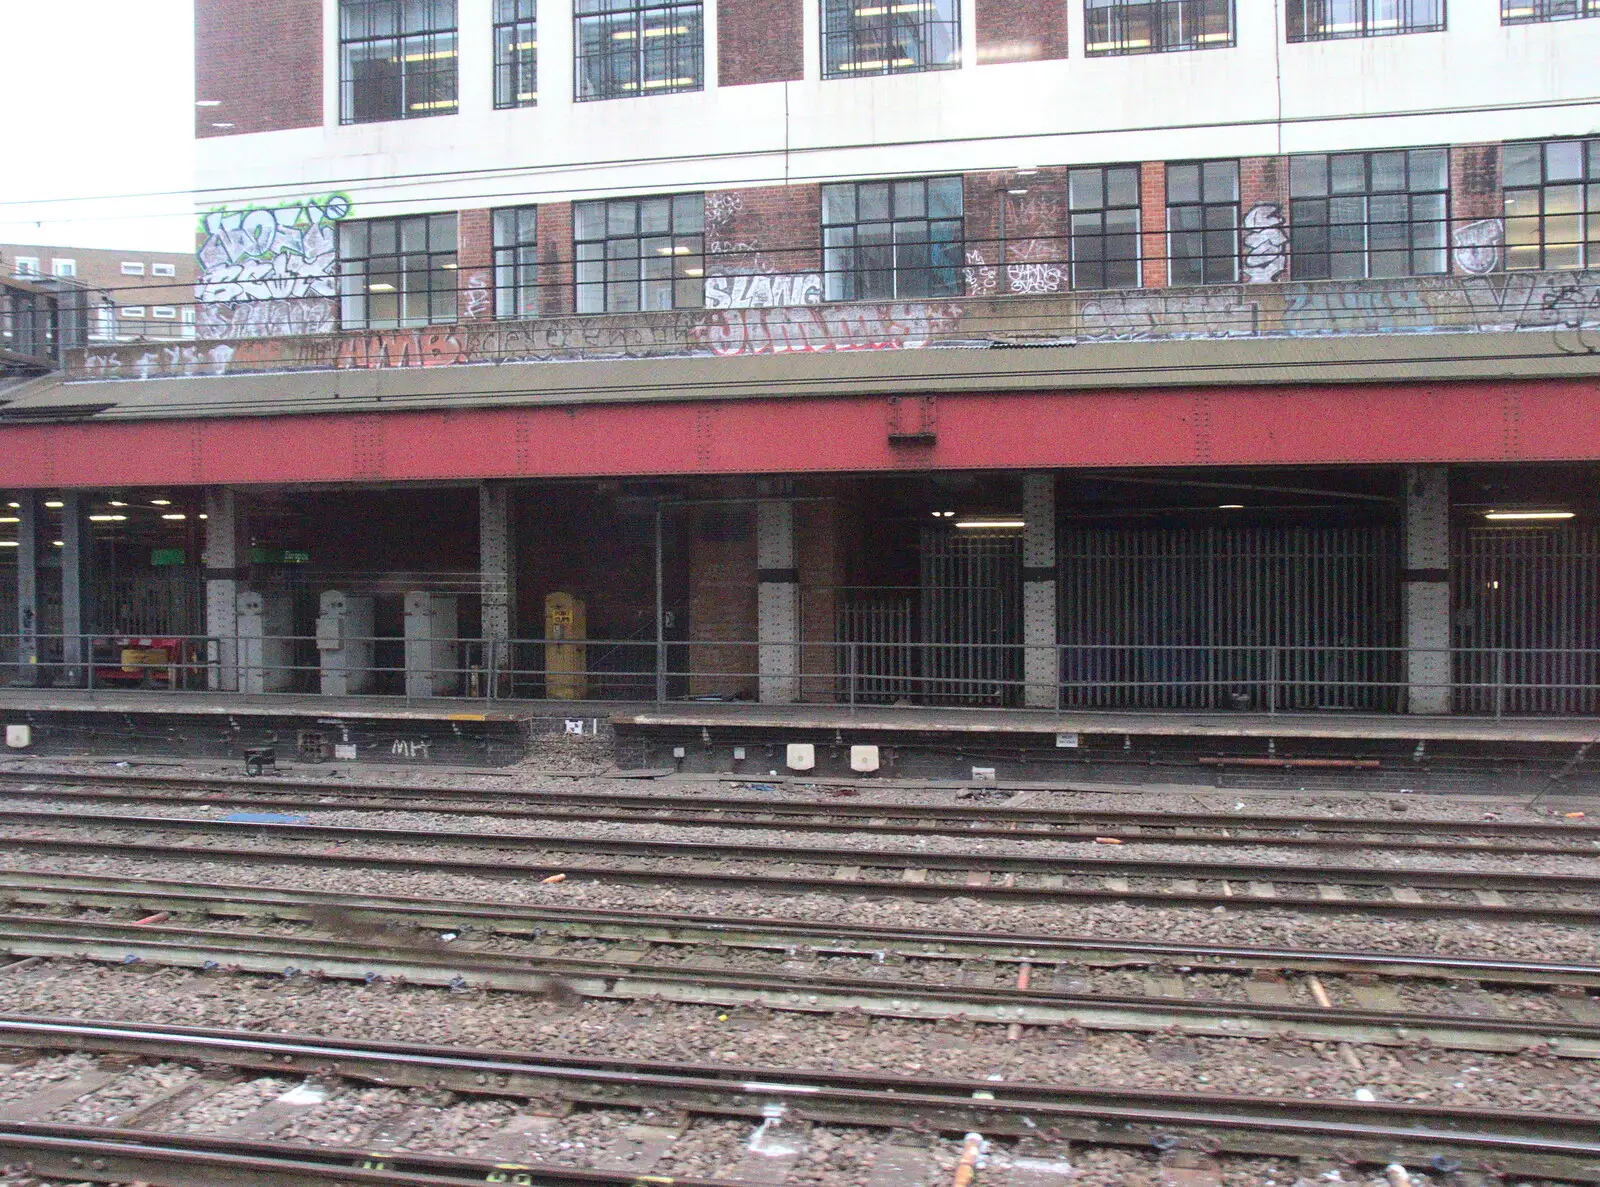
x=763 y=291
x=270 y=271
x=814 y=328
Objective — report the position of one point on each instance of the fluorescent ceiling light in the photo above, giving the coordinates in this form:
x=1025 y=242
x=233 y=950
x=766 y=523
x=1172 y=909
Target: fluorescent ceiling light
x=1516 y=515
x=160 y=502
x=175 y=515
x=9 y=519
x=55 y=503
x=1230 y=506
x=8 y=544
x=107 y=518
x=990 y=523
x=115 y=503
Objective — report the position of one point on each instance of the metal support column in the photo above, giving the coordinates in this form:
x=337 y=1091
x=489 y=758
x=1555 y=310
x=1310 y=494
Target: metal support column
x=1427 y=589
x=76 y=573
x=227 y=559
x=28 y=588
x=497 y=569
x=1041 y=672
x=778 y=604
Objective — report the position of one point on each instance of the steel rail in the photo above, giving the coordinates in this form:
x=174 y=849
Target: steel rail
x=1426 y=878
x=700 y=814
x=1547 y=1144
x=810 y=993
x=854 y=884
x=106 y=1155
x=790 y=936
x=980 y=816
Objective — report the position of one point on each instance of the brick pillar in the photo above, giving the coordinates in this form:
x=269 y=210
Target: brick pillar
x=555 y=259
x=820 y=553
x=28 y=588
x=1153 y=224
x=1264 y=211
x=1427 y=589
x=1477 y=223
x=778 y=602
x=722 y=600
x=475 y=266
x=1041 y=669
x=497 y=567
x=227 y=559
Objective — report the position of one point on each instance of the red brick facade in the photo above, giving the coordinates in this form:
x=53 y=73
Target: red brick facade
x=261 y=61
x=1153 y=224
x=759 y=41
x=1022 y=217
x=475 y=266
x=555 y=258
x=1021 y=30
x=767 y=229
x=722 y=599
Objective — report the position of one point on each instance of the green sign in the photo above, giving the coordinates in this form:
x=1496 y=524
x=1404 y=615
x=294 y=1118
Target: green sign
x=166 y=556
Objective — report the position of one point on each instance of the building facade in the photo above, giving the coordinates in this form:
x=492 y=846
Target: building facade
x=1096 y=354
x=128 y=295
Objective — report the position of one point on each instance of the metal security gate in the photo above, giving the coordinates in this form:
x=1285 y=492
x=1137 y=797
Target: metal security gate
x=1526 y=619
x=1211 y=618
x=169 y=600
x=971 y=618
x=878 y=660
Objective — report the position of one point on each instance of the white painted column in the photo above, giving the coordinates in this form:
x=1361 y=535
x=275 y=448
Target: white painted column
x=1041 y=669
x=497 y=572
x=778 y=603
x=1427 y=589
x=227 y=559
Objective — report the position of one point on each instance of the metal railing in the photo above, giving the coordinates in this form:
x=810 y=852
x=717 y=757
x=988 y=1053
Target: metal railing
x=1266 y=679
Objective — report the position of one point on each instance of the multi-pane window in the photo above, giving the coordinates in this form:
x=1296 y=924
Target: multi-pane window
x=1526 y=12
x=628 y=48
x=1104 y=204
x=1156 y=26
x=1359 y=215
x=1552 y=204
x=640 y=253
x=397 y=59
x=516 y=53
x=892 y=239
x=397 y=271
x=516 y=261
x=889 y=36
x=1325 y=20
x=1203 y=222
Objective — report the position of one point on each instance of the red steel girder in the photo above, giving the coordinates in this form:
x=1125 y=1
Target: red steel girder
x=1522 y=420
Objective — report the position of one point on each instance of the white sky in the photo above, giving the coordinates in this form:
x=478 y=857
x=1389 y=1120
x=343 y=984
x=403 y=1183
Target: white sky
x=102 y=111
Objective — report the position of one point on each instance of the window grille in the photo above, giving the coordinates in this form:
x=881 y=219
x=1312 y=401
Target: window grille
x=397 y=271
x=516 y=53
x=640 y=253
x=1354 y=216
x=397 y=59
x=1156 y=26
x=862 y=37
x=1327 y=20
x=1552 y=204
x=1203 y=222
x=892 y=239
x=1527 y=12
x=628 y=48
x=1104 y=204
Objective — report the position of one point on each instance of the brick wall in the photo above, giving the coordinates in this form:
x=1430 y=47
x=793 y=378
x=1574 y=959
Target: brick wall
x=819 y=549
x=722 y=599
x=766 y=229
x=1264 y=180
x=1033 y=232
x=759 y=41
x=555 y=259
x=475 y=266
x=1474 y=196
x=1153 y=224
x=1021 y=30
x=262 y=60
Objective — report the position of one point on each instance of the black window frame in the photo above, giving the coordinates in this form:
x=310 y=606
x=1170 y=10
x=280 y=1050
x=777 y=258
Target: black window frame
x=1111 y=27
x=1362 y=22
x=516 y=54
x=1218 y=230
x=367 y=28
x=1091 y=266
x=384 y=241
x=514 y=244
x=1516 y=185
x=866 y=41
x=597 y=77
x=1314 y=235
x=685 y=231
x=910 y=269
x=1540 y=12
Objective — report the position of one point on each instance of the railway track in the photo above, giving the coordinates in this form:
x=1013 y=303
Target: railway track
x=1460 y=892
x=1558 y=836
x=1545 y=1144
x=812 y=968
